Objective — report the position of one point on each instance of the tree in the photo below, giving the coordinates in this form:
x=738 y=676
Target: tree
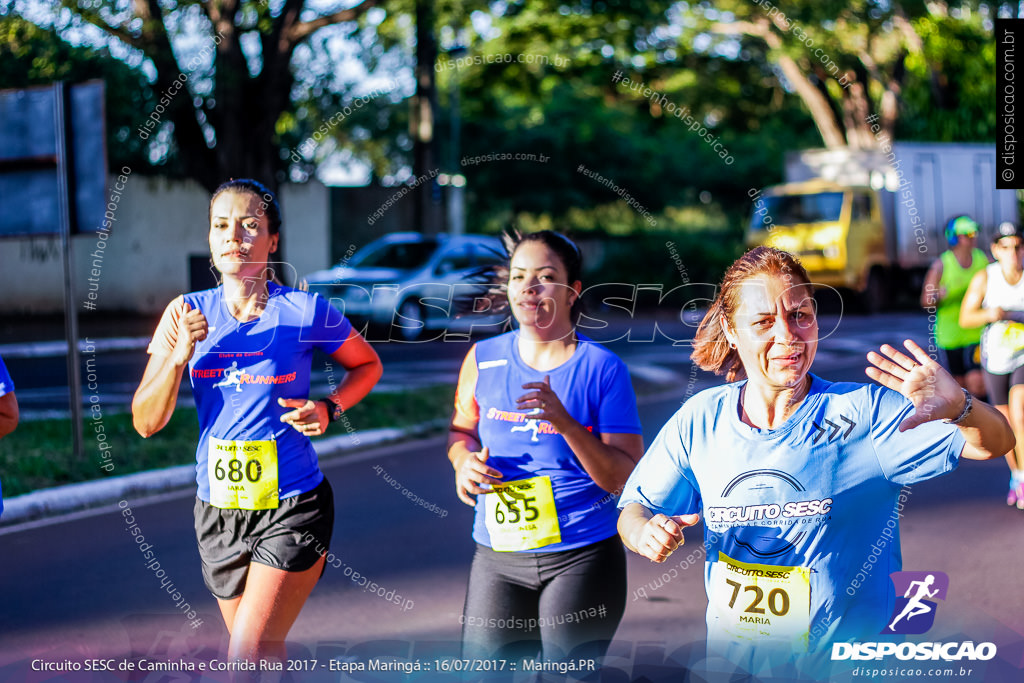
x=225 y=102
x=848 y=61
x=560 y=101
x=30 y=55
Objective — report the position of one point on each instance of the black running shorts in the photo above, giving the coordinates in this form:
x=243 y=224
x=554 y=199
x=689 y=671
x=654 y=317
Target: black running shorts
x=291 y=537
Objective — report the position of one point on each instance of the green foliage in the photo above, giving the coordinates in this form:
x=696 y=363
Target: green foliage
x=935 y=61
x=958 y=107
x=536 y=78
x=704 y=256
x=30 y=56
x=566 y=107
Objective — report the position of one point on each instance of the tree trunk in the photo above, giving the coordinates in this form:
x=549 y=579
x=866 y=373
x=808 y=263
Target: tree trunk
x=424 y=104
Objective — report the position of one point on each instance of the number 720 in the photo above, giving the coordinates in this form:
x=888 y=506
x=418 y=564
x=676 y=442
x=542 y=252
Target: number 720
x=778 y=599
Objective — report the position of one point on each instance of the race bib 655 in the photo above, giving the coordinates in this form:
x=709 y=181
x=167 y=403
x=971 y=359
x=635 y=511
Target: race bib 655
x=521 y=515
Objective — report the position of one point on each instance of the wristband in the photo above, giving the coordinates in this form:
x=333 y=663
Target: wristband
x=334 y=411
x=968 y=405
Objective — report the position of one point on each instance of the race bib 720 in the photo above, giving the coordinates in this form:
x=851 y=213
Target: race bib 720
x=757 y=602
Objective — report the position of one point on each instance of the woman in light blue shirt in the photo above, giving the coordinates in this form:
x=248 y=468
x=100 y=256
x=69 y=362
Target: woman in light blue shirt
x=797 y=478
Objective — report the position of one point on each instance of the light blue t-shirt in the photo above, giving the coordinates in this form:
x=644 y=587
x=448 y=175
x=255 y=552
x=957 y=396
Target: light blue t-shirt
x=820 y=492
x=6 y=387
x=595 y=388
x=240 y=370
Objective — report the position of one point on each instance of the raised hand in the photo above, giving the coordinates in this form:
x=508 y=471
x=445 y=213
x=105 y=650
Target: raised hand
x=192 y=328
x=932 y=390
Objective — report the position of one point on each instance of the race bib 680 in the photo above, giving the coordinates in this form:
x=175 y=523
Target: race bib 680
x=243 y=474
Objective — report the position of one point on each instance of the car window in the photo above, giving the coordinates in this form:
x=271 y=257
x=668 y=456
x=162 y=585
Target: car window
x=822 y=207
x=487 y=255
x=399 y=255
x=458 y=259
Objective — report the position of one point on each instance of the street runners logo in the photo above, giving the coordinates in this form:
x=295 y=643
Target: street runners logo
x=236 y=377
x=915 y=611
x=914 y=614
x=525 y=423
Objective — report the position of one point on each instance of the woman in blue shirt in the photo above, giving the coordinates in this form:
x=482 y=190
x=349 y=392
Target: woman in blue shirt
x=264 y=512
x=797 y=478
x=8 y=411
x=544 y=434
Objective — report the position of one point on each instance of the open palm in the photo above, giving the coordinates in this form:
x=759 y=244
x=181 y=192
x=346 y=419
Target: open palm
x=932 y=390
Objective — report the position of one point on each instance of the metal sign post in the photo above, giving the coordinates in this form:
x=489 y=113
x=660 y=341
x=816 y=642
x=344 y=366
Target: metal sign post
x=65 y=179
x=53 y=171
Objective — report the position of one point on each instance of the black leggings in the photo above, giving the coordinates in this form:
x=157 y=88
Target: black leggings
x=998 y=386
x=569 y=603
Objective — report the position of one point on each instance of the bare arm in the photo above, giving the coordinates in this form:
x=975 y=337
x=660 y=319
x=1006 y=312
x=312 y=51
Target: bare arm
x=655 y=536
x=8 y=413
x=609 y=460
x=466 y=453
x=987 y=432
x=930 y=295
x=157 y=395
x=469 y=460
x=937 y=396
x=971 y=312
x=362 y=371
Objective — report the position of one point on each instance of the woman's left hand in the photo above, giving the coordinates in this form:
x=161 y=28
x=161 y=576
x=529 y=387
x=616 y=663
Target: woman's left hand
x=309 y=417
x=545 y=403
x=932 y=390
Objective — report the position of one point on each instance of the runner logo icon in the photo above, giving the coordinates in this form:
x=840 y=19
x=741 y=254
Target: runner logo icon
x=916 y=593
x=532 y=425
x=232 y=377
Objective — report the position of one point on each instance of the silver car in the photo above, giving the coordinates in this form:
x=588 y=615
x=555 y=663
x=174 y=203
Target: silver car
x=407 y=283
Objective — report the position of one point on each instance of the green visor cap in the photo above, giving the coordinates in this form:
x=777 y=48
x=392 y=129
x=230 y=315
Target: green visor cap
x=965 y=226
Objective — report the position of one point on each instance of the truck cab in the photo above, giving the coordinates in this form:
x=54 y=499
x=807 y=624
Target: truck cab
x=837 y=231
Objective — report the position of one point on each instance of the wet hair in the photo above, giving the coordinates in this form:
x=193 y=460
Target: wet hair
x=268 y=202
x=711 y=349
x=497 y=276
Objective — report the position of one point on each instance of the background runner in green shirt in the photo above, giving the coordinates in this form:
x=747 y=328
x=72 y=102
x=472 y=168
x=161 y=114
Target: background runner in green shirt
x=944 y=288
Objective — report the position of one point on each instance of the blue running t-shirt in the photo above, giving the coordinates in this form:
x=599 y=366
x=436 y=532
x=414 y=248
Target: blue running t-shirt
x=812 y=503
x=6 y=387
x=240 y=370
x=595 y=388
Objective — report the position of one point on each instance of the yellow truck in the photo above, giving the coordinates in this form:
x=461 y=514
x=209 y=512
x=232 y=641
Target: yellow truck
x=872 y=221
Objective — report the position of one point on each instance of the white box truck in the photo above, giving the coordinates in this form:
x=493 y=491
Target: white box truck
x=872 y=221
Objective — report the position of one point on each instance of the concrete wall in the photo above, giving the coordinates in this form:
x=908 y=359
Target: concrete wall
x=143 y=261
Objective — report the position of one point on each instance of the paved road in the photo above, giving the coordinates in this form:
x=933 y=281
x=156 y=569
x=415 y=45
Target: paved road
x=80 y=587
